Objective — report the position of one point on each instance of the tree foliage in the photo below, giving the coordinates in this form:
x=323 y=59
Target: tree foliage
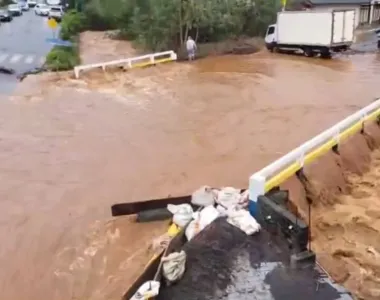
x=163 y=24
x=72 y=23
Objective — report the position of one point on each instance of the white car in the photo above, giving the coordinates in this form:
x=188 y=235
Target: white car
x=15 y=9
x=24 y=6
x=32 y=3
x=41 y=9
x=56 y=12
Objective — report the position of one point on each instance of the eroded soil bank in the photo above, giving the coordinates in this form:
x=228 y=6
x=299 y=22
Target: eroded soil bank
x=345 y=215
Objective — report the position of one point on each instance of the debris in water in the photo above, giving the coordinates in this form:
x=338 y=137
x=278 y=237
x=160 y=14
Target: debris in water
x=7 y=71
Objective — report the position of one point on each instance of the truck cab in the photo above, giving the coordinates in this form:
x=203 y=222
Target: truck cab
x=270 y=36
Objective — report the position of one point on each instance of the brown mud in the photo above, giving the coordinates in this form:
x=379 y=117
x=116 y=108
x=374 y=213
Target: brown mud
x=344 y=189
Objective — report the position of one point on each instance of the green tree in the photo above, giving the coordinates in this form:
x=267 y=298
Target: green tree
x=163 y=24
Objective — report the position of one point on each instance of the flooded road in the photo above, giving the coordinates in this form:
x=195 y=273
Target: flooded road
x=71 y=149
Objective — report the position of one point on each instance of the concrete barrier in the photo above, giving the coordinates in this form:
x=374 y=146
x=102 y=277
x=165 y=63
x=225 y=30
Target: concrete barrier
x=134 y=62
x=282 y=169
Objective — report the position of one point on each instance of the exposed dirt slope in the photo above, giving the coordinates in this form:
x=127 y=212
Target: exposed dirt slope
x=344 y=189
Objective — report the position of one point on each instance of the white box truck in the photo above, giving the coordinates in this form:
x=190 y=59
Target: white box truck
x=312 y=32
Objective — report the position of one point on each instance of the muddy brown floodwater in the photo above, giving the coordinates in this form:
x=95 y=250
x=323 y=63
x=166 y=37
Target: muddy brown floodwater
x=70 y=149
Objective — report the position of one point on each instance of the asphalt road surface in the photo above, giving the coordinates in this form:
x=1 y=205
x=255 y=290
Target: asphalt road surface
x=23 y=46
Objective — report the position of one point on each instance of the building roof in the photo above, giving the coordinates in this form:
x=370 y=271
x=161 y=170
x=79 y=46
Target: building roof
x=326 y=2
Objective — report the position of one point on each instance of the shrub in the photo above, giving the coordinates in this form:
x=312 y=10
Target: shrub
x=5 y=2
x=62 y=58
x=66 y=58
x=72 y=24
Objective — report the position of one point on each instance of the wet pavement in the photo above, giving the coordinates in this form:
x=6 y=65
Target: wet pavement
x=70 y=149
x=23 y=46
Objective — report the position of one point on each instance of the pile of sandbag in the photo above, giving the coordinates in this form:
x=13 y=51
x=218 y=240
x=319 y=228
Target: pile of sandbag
x=229 y=202
x=214 y=203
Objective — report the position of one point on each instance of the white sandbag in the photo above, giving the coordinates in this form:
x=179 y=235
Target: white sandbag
x=148 y=290
x=182 y=213
x=228 y=197
x=204 y=196
x=243 y=220
x=192 y=229
x=222 y=211
x=207 y=215
x=173 y=266
x=201 y=219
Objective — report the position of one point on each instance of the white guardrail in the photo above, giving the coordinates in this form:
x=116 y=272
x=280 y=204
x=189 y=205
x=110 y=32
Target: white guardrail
x=134 y=62
x=280 y=170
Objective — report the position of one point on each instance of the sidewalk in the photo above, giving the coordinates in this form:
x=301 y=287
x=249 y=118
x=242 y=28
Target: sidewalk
x=364 y=32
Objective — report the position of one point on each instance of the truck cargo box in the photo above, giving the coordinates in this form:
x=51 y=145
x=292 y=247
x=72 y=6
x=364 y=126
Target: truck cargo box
x=316 y=28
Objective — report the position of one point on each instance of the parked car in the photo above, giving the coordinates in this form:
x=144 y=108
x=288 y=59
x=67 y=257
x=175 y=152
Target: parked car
x=53 y=2
x=32 y=3
x=5 y=15
x=15 y=9
x=56 y=12
x=41 y=9
x=24 y=6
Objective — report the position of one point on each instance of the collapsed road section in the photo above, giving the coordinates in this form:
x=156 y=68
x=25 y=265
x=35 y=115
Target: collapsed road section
x=225 y=263
x=231 y=256
x=264 y=243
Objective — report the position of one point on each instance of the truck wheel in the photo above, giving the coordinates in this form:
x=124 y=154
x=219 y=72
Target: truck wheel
x=308 y=52
x=272 y=47
x=326 y=54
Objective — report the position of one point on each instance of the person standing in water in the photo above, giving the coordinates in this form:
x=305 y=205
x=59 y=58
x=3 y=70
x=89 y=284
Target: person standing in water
x=191 y=47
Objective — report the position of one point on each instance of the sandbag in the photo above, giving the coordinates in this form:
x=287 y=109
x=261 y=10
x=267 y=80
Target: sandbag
x=182 y=214
x=222 y=210
x=228 y=197
x=173 y=230
x=204 y=196
x=151 y=215
x=201 y=219
x=192 y=229
x=243 y=220
x=148 y=290
x=207 y=215
x=173 y=266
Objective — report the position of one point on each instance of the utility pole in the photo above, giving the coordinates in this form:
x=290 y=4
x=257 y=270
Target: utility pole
x=283 y=5
x=371 y=12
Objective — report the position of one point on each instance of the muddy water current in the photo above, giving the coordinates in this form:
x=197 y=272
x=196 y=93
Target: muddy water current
x=70 y=149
